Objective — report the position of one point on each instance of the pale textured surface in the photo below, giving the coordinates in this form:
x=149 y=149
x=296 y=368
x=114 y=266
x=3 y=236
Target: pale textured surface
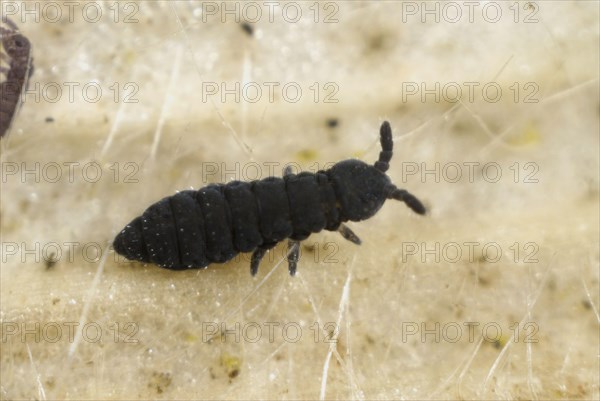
x=372 y=293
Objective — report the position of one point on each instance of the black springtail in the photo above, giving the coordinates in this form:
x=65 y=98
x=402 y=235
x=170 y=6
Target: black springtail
x=193 y=229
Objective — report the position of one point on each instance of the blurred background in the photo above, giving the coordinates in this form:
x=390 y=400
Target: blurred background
x=495 y=112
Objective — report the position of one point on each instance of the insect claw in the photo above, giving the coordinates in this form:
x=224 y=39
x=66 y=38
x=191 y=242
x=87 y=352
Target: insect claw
x=293 y=255
x=256 y=258
x=348 y=234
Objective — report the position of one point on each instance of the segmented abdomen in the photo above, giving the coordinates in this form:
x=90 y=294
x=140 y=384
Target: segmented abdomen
x=195 y=228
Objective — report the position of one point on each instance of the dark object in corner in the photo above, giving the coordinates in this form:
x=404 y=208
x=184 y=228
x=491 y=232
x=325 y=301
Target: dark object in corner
x=16 y=67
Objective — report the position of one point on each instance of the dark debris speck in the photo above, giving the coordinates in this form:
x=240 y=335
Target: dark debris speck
x=249 y=29
x=332 y=122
